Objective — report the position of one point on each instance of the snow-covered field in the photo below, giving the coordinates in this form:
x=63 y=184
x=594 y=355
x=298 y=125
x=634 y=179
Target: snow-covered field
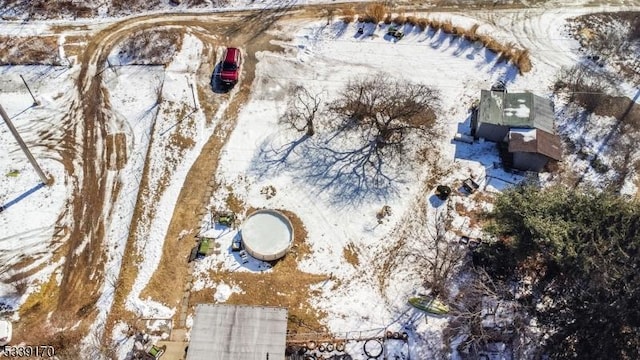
x=261 y=153
x=28 y=222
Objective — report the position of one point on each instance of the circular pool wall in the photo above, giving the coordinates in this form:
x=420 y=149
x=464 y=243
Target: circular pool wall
x=267 y=235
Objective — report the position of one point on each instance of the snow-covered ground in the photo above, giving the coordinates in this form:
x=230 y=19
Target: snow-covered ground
x=31 y=211
x=135 y=111
x=261 y=152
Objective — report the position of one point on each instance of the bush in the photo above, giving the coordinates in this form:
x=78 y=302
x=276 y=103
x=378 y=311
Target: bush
x=387 y=19
x=348 y=15
x=423 y=23
x=435 y=24
x=447 y=27
x=400 y=19
x=412 y=20
x=491 y=44
x=471 y=33
x=522 y=61
x=376 y=12
x=458 y=30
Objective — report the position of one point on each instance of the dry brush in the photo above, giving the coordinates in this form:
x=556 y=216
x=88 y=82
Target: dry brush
x=378 y=13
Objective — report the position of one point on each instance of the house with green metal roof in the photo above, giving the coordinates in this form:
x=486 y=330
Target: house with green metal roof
x=524 y=122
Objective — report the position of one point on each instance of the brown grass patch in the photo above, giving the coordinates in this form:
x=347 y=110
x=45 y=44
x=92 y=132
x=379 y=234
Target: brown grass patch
x=180 y=141
x=285 y=286
x=387 y=19
x=37 y=308
x=129 y=6
x=117 y=146
x=152 y=46
x=50 y=9
x=33 y=50
x=475 y=213
x=41 y=301
x=233 y=203
x=74 y=46
x=203 y=296
x=16 y=274
x=350 y=254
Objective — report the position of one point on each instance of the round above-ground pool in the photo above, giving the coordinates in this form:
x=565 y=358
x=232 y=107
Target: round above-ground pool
x=267 y=235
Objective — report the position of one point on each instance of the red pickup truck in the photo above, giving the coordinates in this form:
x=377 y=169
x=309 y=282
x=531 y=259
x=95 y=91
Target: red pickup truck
x=230 y=71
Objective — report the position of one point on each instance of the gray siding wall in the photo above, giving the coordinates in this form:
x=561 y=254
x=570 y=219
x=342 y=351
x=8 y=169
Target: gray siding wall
x=492 y=132
x=529 y=161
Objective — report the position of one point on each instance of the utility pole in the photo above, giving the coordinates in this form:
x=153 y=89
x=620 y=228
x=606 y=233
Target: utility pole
x=24 y=147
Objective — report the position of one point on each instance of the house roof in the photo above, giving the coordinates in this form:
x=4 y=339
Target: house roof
x=522 y=110
x=535 y=141
x=238 y=332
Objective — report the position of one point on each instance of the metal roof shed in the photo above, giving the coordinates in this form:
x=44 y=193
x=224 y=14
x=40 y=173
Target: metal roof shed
x=520 y=110
x=235 y=332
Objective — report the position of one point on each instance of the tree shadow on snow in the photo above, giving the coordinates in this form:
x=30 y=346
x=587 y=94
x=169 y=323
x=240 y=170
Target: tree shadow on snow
x=348 y=175
x=338 y=28
x=270 y=160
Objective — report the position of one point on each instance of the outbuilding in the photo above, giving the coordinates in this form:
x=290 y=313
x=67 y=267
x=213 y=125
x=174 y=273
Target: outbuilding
x=238 y=332
x=523 y=123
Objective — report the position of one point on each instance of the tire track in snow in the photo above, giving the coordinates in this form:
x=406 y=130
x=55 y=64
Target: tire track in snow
x=539 y=31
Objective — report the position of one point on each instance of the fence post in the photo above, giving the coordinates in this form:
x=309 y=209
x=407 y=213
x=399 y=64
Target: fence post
x=35 y=102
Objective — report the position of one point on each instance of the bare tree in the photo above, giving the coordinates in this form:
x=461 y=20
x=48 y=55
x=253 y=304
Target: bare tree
x=371 y=123
x=467 y=314
x=302 y=110
x=386 y=111
x=436 y=254
x=484 y=311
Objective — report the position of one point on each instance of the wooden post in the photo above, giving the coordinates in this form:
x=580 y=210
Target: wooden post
x=24 y=147
x=35 y=102
x=195 y=105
